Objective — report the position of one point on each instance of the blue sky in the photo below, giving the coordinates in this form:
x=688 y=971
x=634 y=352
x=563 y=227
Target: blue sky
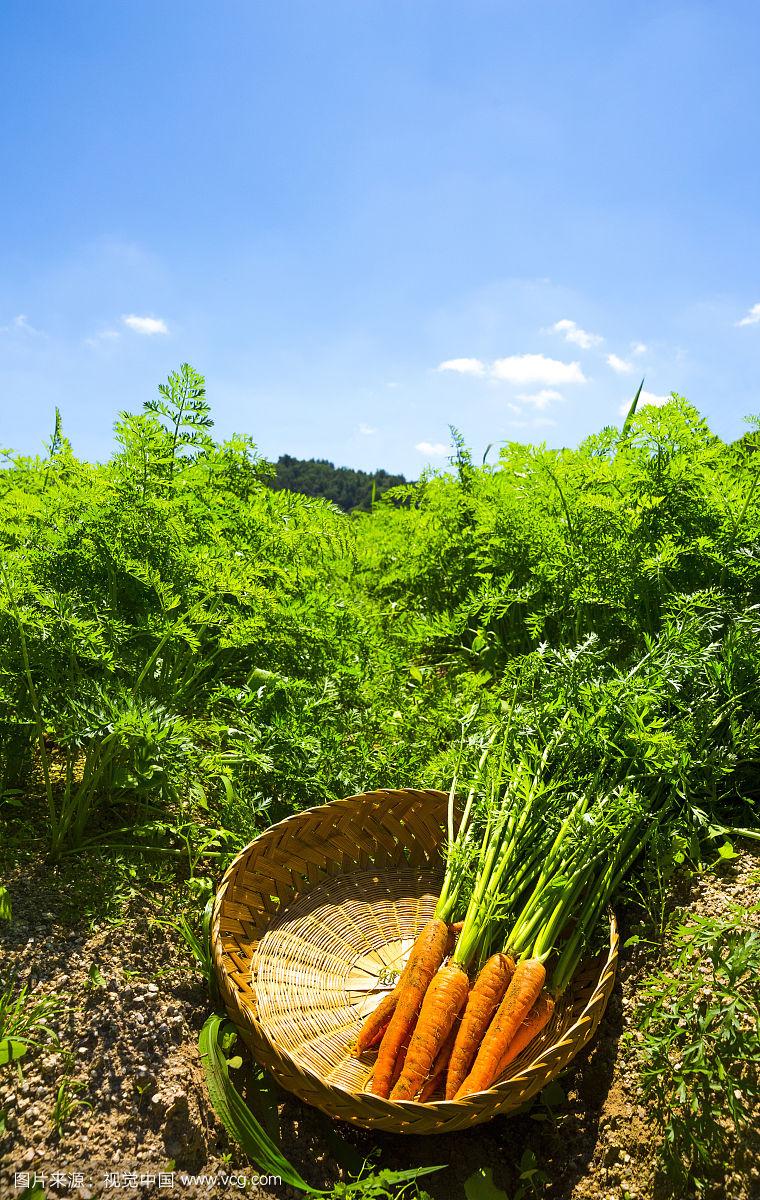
x=366 y=220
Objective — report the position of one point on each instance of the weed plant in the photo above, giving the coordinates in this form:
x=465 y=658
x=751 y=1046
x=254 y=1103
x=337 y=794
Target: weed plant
x=24 y=1020
x=700 y=1049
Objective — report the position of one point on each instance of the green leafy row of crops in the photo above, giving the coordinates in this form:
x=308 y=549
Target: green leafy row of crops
x=186 y=654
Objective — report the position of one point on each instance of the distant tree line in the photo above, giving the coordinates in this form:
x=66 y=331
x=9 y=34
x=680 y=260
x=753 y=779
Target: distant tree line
x=346 y=487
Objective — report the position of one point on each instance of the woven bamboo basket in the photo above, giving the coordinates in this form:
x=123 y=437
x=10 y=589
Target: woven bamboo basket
x=311 y=923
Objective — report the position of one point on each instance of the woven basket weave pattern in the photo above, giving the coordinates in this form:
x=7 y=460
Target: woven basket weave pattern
x=311 y=921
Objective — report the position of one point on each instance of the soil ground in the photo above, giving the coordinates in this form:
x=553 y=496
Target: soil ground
x=133 y=1008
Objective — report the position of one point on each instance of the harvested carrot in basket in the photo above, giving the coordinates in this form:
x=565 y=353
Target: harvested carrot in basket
x=437 y=1075
x=436 y=940
x=444 y=999
x=567 y=878
x=432 y=945
x=403 y=1053
x=426 y=957
x=377 y=1022
x=538 y=1017
x=522 y=993
x=508 y=858
x=485 y=997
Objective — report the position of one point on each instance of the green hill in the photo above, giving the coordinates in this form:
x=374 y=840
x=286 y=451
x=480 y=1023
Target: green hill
x=346 y=487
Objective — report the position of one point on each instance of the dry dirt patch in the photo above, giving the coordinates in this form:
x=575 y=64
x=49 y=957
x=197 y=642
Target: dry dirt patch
x=128 y=1049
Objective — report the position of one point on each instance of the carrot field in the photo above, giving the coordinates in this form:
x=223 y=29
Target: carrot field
x=189 y=655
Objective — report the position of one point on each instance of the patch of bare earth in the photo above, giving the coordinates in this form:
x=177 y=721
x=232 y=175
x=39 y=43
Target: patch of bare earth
x=128 y=1047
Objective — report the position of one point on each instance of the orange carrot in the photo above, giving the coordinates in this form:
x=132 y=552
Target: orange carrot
x=454 y=931
x=431 y=1087
x=438 y=1069
x=537 y=1018
x=522 y=993
x=427 y=955
x=485 y=997
x=403 y=1053
x=400 y=1060
x=443 y=1001
x=374 y=1027
x=376 y=1023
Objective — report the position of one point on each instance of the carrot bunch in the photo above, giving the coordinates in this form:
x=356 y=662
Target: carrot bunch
x=455 y=1034
x=506 y=832
x=594 y=848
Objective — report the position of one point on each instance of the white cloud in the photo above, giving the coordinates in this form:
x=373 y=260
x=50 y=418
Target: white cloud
x=105 y=335
x=619 y=364
x=536 y=368
x=19 y=324
x=646 y=398
x=543 y=421
x=752 y=317
x=579 y=337
x=366 y=430
x=436 y=448
x=638 y=348
x=540 y=399
x=145 y=325
x=463 y=366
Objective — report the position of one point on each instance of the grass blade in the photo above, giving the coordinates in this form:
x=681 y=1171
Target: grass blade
x=234 y=1113
x=631 y=411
